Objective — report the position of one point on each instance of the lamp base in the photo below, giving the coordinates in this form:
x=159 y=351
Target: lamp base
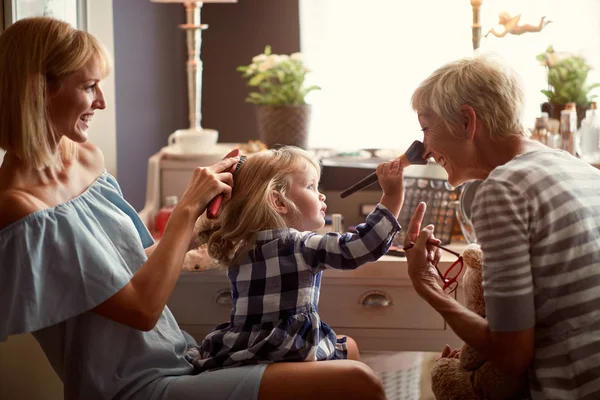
x=193 y=140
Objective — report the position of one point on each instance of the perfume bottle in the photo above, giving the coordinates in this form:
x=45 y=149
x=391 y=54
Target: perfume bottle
x=568 y=127
x=540 y=132
x=590 y=134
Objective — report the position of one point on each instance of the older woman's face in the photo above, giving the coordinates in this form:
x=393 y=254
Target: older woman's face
x=72 y=104
x=445 y=147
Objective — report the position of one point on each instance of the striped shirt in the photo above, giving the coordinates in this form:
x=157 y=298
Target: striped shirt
x=537 y=220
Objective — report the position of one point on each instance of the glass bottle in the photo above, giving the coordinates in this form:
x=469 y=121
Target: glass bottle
x=163 y=215
x=553 y=125
x=546 y=124
x=336 y=222
x=540 y=131
x=566 y=131
x=575 y=140
x=590 y=134
x=595 y=131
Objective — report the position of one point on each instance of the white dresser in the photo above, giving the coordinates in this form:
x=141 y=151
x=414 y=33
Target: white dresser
x=375 y=304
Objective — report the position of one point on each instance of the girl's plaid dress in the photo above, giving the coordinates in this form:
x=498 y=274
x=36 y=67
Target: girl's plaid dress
x=275 y=293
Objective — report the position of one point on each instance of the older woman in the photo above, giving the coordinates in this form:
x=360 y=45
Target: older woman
x=79 y=269
x=537 y=219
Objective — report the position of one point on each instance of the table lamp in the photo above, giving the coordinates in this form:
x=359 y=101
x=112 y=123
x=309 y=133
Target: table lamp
x=194 y=28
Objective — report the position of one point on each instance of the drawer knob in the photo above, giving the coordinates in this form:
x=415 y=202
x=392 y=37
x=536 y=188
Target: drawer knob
x=376 y=298
x=223 y=297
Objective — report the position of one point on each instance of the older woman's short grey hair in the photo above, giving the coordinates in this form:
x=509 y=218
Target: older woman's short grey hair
x=486 y=83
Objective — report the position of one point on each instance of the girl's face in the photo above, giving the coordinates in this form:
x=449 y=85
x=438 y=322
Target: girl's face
x=304 y=193
x=72 y=104
x=445 y=148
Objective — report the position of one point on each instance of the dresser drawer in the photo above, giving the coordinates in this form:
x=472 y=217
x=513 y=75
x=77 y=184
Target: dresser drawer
x=376 y=306
x=347 y=306
x=201 y=303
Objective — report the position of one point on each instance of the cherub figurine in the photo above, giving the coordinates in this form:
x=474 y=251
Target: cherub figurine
x=511 y=25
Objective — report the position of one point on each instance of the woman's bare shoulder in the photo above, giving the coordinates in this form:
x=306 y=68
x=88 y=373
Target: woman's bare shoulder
x=16 y=204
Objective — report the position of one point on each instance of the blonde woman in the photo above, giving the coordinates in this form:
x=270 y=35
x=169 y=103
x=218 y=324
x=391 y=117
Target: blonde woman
x=266 y=238
x=79 y=270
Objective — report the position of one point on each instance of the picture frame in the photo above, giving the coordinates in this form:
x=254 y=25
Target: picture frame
x=72 y=11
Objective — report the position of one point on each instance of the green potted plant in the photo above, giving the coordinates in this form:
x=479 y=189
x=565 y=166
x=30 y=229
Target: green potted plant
x=282 y=112
x=567 y=81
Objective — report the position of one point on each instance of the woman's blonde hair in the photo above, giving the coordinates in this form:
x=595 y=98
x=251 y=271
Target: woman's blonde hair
x=35 y=52
x=251 y=207
x=486 y=83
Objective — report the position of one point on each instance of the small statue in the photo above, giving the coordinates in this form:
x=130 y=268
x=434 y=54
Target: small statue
x=511 y=25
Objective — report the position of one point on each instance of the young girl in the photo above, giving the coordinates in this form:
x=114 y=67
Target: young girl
x=264 y=235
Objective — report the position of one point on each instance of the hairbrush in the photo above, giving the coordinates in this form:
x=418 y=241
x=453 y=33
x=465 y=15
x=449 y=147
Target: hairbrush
x=414 y=155
x=215 y=204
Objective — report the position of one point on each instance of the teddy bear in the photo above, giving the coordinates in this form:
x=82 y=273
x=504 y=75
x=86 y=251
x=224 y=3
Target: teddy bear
x=463 y=373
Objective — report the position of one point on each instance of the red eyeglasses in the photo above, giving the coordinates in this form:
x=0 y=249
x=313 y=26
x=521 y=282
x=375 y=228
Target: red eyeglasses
x=449 y=278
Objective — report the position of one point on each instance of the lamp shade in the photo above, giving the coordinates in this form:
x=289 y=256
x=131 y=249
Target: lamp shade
x=193 y=1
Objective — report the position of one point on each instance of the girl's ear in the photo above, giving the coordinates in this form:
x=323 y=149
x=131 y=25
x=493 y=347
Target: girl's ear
x=278 y=203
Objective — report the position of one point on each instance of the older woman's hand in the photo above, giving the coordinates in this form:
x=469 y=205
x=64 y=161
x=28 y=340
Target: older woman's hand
x=421 y=255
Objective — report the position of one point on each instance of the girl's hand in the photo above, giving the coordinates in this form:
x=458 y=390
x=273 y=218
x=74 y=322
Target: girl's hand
x=422 y=256
x=389 y=174
x=205 y=184
x=390 y=178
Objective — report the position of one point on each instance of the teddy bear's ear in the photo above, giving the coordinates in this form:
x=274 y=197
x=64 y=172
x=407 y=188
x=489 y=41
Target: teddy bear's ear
x=473 y=256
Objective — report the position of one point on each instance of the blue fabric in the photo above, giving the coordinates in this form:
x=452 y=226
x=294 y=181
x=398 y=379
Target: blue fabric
x=59 y=263
x=89 y=247
x=242 y=383
x=275 y=294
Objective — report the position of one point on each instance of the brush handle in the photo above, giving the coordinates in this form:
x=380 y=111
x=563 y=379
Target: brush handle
x=363 y=183
x=215 y=204
x=368 y=180
x=213 y=207
x=414 y=155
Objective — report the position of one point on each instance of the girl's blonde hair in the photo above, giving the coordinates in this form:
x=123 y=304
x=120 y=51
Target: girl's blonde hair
x=35 y=52
x=485 y=83
x=251 y=207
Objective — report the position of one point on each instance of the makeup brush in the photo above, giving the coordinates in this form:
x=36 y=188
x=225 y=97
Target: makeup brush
x=215 y=203
x=414 y=155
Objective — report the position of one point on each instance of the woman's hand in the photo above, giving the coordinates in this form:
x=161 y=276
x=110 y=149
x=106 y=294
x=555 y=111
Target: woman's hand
x=205 y=184
x=141 y=302
x=421 y=256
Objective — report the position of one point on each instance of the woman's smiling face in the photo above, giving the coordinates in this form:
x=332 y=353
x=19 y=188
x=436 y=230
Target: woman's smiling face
x=73 y=103
x=445 y=147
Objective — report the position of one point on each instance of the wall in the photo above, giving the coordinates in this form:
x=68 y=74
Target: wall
x=236 y=34
x=151 y=94
x=150 y=86
x=102 y=131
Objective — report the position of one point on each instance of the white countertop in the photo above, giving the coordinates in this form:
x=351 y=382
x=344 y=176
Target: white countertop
x=386 y=268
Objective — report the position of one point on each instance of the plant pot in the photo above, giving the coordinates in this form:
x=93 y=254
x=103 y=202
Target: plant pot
x=283 y=125
x=557 y=108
